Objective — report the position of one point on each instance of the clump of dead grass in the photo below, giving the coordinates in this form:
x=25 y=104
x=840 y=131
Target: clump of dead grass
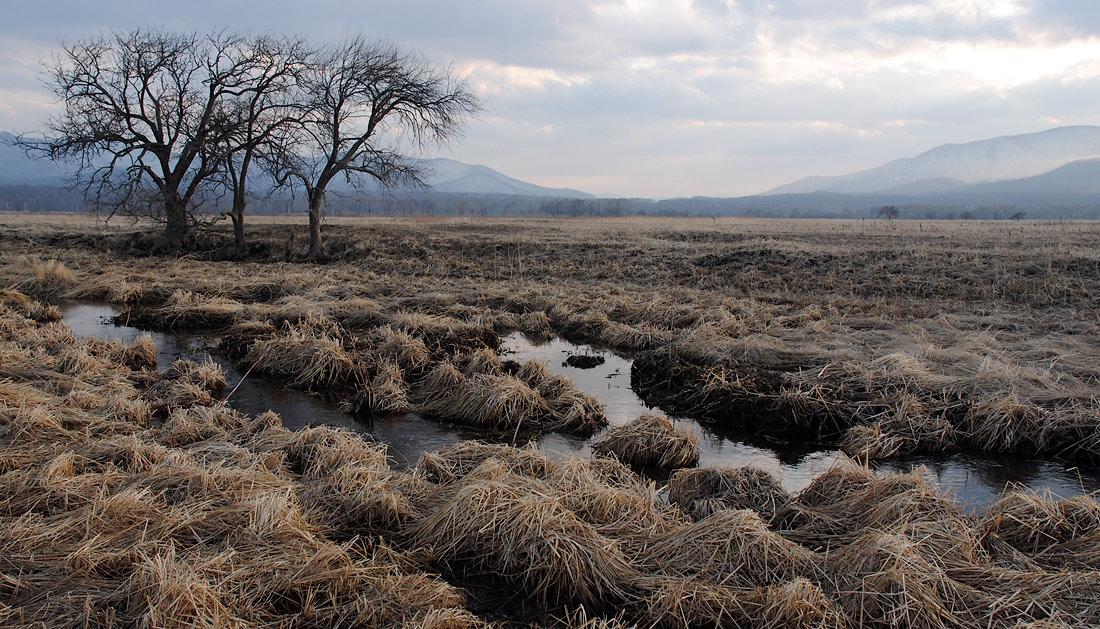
x=1050 y=532
x=50 y=276
x=197 y=423
x=185 y=384
x=498 y=401
x=207 y=374
x=401 y=347
x=350 y=480
x=609 y=496
x=651 y=440
x=191 y=311
x=903 y=428
x=481 y=361
x=704 y=491
x=570 y=409
x=454 y=463
x=733 y=547
x=387 y=393
x=890 y=583
x=502 y=524
x=28 y=307
x=307 y=356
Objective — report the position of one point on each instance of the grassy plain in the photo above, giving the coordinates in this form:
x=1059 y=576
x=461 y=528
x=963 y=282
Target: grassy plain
x=131 y=496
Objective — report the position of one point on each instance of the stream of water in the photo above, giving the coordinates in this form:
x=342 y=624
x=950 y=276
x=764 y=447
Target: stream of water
x=976 y=480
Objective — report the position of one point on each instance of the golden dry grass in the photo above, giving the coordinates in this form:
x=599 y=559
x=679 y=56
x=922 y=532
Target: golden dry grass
x=129 y=497
x=651 y=440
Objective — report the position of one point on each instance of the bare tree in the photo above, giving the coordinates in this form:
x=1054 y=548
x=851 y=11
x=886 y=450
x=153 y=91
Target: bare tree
x=251 y=121
x=361 y=102
x=139 y=118
x=890 y=212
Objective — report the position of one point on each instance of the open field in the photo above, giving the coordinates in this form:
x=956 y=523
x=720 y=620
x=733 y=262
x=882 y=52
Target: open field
x=131 y=496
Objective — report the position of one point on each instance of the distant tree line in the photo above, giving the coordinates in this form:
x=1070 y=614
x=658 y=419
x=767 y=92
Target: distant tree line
x=36 y=198
x=173 y=125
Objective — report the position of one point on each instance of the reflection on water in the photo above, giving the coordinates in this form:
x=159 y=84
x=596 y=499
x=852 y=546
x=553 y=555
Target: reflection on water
x=975 y=479
x=609 y=381
x=794 y=464
x=979 y=479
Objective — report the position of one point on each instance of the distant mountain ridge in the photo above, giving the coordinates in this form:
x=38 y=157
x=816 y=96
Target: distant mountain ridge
x=953 y=166
x=448 y=175
x=444 y=175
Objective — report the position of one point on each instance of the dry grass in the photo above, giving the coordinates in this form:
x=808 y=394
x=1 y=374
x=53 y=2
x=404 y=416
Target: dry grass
x=1052 y=533
x=733 y=548
x=889 y=583
x=501 y=402
x=454 y=463
x=704 y=491
x=48 y=277
x=192 y=523
x=651 y=440
x=131 y=498
x=387 y=393
x=185 y=310
x=498 y=523
x=306 y=355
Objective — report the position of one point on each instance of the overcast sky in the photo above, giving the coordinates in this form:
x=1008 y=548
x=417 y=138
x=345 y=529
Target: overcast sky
x=664 y=98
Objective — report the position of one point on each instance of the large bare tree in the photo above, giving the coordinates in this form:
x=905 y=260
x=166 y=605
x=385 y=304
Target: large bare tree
x=139 y=118
x=362 y=103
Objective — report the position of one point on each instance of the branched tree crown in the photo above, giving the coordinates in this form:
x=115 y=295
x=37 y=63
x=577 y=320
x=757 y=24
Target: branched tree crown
x=360 y=103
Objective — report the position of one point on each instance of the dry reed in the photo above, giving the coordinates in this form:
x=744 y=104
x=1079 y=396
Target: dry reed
x=733 y=548
x=305 y=356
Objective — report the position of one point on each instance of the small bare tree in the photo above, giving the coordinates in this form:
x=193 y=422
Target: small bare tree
x=251 y=121
x=139 y=119
x=360 y=103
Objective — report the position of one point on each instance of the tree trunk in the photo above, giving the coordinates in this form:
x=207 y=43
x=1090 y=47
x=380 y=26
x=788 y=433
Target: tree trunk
x=240 y=200
x=238 y=226
x=176 y=229
x=316 y=251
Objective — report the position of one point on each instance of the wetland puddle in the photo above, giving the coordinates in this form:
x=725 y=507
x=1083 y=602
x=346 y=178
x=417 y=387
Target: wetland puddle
x=976 y=480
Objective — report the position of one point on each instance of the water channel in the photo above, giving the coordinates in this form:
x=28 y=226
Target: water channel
x=976 y=480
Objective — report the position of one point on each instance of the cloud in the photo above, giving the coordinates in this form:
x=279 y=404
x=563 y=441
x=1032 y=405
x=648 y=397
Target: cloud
x=680 y=97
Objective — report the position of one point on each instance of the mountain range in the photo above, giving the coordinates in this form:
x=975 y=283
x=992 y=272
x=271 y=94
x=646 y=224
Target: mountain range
x=1062 y=160
x=444 y=175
